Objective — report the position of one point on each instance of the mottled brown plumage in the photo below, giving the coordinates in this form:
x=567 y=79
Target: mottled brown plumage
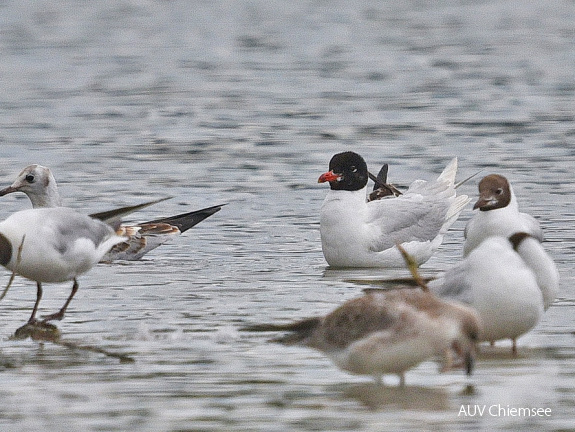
x=387 y=332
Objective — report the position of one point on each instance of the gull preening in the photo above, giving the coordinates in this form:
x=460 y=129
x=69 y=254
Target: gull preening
x=498 y=214
x=358 y=233
x=53 y=245
x=509 y=281
x=38 y=183
x=388 y=332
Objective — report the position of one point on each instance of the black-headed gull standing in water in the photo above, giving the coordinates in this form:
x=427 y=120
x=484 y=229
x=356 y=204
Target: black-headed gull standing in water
x=498 y=214
x=509 y=281
x=53 y=245
x=38 y=183
x=388 y=332
x=357 y=233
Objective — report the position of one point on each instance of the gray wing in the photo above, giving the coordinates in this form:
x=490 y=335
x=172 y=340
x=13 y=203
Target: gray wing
x=114 y=217
x=67 y=226
x=406 y=218
x=454 y=284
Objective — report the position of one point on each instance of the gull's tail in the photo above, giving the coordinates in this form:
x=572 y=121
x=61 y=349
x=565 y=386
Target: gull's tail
x=459 y=202
x=449 y=172
x=300 y=330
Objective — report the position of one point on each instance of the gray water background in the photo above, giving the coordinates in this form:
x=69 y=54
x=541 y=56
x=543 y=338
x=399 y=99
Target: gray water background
x=244 y=102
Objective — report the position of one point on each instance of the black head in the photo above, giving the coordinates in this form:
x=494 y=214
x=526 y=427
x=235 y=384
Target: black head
x=347 y=171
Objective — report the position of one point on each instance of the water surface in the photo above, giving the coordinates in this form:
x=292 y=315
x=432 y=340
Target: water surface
x=244 y=102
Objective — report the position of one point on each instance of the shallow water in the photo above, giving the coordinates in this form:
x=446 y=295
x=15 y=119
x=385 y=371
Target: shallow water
x=244 y=102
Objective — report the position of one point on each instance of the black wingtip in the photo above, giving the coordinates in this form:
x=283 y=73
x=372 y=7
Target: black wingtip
x=185 y=221
x=381 y=179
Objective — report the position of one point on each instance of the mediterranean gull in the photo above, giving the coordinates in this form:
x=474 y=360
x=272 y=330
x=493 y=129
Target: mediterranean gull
x=358 y=233
x=38 y=183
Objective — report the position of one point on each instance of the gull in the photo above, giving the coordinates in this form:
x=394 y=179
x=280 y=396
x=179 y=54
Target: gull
x=358 y=233
x=53 y=245
x=509 y=281
x=38 y=183
x=388 y=332
x=498 y=214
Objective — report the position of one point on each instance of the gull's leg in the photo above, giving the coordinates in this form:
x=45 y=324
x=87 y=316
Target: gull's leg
x=402 y=379
x=32 y=319
x=60 y=314
x=447 y=361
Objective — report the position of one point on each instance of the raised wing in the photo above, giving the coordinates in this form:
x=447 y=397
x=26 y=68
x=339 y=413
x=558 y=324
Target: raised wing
x=113 y=217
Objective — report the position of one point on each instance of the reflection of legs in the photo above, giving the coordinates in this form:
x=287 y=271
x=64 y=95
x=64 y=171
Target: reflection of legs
x=402 y=379
x=38 y=298
x=60 y=314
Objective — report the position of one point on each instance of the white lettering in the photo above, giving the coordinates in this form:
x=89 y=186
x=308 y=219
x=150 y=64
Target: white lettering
x=509 y=411
x=471 y=410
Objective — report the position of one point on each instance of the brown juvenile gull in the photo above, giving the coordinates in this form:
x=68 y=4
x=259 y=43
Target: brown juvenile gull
x=388 y=332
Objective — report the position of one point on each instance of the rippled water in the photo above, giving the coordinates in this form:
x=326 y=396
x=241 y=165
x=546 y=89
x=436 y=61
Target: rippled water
x=244 y=102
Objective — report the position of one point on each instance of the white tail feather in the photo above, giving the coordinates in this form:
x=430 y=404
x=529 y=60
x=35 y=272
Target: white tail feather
x=454 y=210
x=449 y=172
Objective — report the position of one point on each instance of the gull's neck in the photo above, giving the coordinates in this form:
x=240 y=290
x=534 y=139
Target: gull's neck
x=513 y=204
x=353 y=199
x=49 y=198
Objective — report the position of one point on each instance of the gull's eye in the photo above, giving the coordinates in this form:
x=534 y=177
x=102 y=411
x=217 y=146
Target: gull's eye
x=30 y=178
x=353 y=169
x=499 y=191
